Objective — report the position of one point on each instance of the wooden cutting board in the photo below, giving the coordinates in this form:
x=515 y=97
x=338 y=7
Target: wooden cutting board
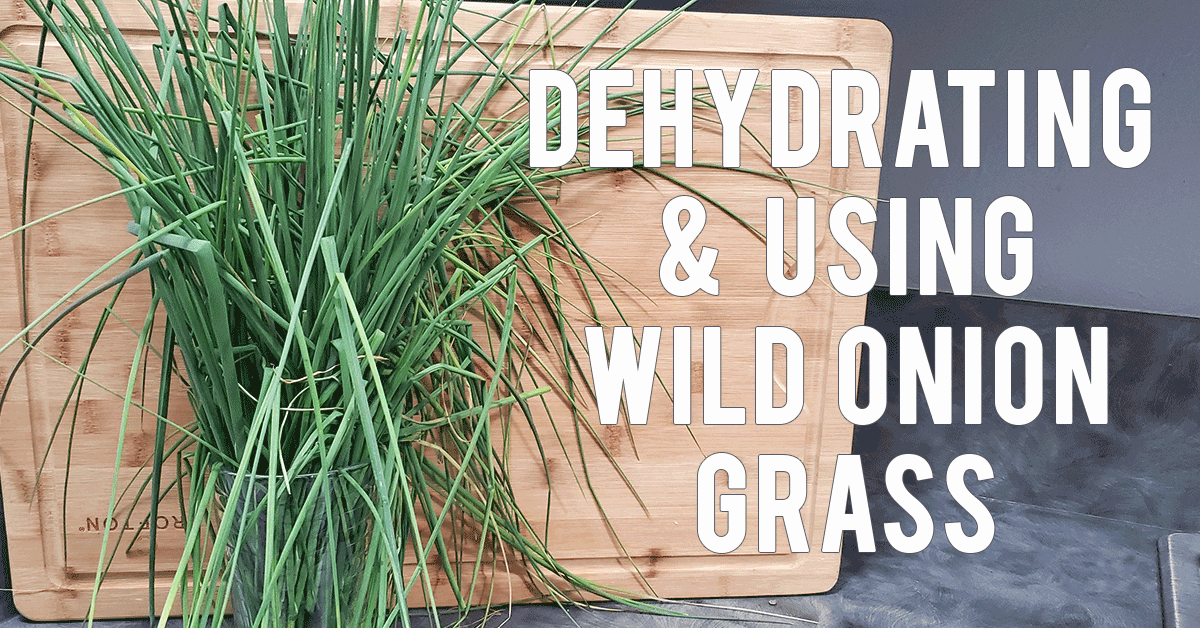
x=54 y=523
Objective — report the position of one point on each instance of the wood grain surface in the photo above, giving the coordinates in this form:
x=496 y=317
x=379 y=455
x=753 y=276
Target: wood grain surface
x=54 y=522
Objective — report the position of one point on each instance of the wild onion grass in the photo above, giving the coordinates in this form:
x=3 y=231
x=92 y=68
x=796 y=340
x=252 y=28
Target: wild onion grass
x=344 y=235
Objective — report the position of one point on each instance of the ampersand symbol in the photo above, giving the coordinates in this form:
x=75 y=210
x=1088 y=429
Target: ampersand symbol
x=679 y=253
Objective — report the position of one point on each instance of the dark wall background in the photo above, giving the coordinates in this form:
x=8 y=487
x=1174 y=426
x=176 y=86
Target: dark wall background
x=1104 y=236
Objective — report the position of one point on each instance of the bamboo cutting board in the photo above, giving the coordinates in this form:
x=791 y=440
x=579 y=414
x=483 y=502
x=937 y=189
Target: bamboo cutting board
x=55 y=522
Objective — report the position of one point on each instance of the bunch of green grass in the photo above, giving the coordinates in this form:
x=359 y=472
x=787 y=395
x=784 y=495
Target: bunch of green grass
x=323 y=213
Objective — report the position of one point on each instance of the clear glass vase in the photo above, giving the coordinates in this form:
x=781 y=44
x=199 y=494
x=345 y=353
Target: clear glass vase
x=316 y=582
